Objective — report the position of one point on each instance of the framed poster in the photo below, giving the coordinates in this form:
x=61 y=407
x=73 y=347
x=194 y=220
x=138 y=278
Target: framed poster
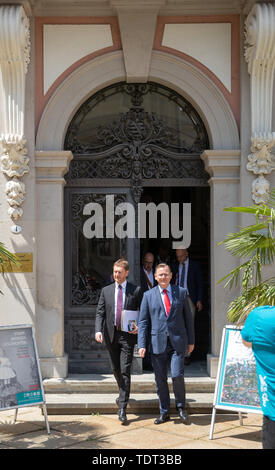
x=20 y=375
x=236 y=384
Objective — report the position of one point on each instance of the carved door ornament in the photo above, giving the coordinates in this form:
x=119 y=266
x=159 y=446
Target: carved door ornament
x=138 y=144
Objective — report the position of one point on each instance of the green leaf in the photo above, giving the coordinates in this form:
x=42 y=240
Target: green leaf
x=256 y=245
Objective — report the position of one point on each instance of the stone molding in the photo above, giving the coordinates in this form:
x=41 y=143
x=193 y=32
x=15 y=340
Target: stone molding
x=51 y=166
x=14 y=60
x=222 y=165
x=260 y=57
x=137 y=22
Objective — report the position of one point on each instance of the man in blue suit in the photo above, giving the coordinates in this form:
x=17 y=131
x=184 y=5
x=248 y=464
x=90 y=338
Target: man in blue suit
x=165 y=318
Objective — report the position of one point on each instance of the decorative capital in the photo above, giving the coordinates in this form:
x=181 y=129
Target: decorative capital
x=260 y=190
x=14 y=162
x=14 y=36
x=259 y=28
x=261 y=160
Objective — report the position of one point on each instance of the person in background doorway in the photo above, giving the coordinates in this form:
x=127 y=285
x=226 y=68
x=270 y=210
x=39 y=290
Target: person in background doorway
x=187 y=274
x=147 y=282
x=163 y=255
x=258 y=333
x=114 y=298
x=147 y=277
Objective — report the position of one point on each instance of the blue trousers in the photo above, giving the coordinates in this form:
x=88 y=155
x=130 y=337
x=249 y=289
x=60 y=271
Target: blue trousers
x=160 y=363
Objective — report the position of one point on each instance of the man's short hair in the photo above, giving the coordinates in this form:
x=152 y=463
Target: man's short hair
x=122 y=263
x=162 y=265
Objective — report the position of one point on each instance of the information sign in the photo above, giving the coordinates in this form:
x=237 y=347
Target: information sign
x=236 y=383
x=20 y=375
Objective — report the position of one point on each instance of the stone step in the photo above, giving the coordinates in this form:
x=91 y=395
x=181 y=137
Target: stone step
x=104 y=403
x=141 y=383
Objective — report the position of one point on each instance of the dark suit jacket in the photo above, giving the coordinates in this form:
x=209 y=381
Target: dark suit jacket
x=104 y=320
x=194 y=280
x=143 y=281
x=153 y=321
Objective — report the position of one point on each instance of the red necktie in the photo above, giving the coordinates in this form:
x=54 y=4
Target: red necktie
x=167 y=302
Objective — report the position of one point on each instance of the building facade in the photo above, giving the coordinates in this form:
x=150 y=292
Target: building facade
x=115 y=101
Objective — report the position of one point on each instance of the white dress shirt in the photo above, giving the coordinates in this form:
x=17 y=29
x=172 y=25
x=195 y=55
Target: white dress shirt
x=150 y=276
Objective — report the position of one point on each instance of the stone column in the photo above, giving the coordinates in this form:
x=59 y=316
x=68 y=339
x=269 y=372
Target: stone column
x=260 y=57
x=50 y=169
x=224 y=169
x=14 y=60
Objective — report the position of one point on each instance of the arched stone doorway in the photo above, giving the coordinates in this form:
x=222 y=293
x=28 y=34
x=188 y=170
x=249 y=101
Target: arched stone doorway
x=131 y=143
x=222 y=163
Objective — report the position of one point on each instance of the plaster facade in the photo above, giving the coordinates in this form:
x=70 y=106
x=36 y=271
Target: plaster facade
x=108 y=42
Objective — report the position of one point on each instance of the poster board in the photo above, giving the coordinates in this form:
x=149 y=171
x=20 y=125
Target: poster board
x=236 y=384
x=20 y=375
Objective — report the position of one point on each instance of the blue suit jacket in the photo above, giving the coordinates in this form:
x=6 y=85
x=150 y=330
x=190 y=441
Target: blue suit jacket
x=154 y=324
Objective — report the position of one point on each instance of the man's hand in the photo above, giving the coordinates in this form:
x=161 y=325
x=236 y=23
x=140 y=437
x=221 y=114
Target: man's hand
x=190 y=348
x=199 y=305
x=142 y=352
x=99 y=337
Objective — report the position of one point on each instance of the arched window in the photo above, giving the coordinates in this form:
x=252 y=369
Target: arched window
x=161 y=117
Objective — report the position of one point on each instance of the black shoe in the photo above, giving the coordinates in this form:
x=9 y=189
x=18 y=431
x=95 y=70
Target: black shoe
x=162 y=419
x=183 y=416
x=122 y=416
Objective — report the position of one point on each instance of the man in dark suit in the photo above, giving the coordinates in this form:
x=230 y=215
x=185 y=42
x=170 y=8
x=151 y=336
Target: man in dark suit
x=114 y=298
x=187 y=274
x=165 y=315
x=147 y=282
x=147 y=278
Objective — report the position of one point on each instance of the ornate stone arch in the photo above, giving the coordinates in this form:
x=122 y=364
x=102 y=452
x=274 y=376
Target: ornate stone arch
x=171 y=71
x=221 y=162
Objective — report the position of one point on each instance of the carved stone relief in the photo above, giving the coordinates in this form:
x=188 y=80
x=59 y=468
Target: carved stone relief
x=260 y=56
x=138 y=145
x=14 y=60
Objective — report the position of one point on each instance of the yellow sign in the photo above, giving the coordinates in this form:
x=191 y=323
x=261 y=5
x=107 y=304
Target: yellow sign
x=24 y=264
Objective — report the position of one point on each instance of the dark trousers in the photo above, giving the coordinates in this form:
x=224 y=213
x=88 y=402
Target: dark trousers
x=121 y=353
x=160 y=364
x=268 y=433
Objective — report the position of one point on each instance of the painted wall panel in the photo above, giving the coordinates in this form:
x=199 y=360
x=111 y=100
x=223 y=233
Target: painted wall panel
x=65 y=44
x=209 y=43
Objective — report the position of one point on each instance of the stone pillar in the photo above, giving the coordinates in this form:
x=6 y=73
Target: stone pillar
x=260 y=57
x=14 y=60
x=224 y=168
x=17 y=187
x=50 y=169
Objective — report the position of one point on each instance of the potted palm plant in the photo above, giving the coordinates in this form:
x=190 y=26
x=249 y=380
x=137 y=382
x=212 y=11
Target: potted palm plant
x=255 y=246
